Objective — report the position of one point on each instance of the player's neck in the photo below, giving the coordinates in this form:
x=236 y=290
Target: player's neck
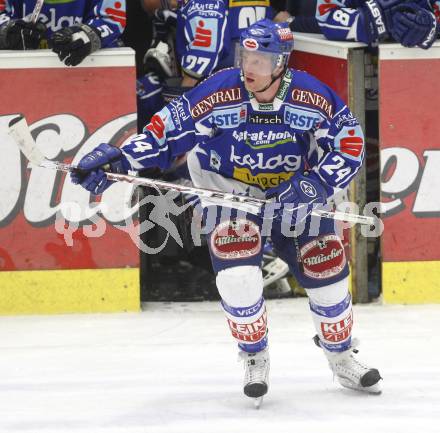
x=269 y=94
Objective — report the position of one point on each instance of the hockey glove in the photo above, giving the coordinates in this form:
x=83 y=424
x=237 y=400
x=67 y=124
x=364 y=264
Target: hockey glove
x=162 y=21
x=158 y=58
x=21 y=35
x=378 y=17
x=298 y=196
x=73 y=44
x=414 y=26
x=90 y=170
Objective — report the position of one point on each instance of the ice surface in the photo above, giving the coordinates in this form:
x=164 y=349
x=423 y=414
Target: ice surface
x=173 y=368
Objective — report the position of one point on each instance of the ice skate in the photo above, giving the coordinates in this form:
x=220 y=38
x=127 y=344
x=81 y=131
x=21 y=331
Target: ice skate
x=256 y=376
x=350 y=372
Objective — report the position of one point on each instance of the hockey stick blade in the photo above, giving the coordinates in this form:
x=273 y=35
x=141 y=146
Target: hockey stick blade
x=36 y=12
x=19 y=131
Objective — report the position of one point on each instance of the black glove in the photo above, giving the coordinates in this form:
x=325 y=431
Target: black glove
x=73 y=44
x=414 y=26
x=21 y=35
x=162 y=21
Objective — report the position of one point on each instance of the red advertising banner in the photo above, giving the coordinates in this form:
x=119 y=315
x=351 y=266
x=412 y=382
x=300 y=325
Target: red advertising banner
x=410 y=156
x=330 y=70
x=46 y=222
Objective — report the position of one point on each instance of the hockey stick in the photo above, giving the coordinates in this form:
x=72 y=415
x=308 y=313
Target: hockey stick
x=19 y=131
x=36 y=11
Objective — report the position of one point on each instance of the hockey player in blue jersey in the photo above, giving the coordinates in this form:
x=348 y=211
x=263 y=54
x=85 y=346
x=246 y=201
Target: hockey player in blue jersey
x=72 y=28
x=412 y=23
x=252 y=130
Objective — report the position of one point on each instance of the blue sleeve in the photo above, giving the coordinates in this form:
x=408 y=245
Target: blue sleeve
x=337 y=137
x=341 y=142
x=109 y=18
x=202 y=39
x=344 y=20
x=173 y=131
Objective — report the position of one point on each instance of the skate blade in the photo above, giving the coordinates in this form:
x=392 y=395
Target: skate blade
x=258 y=402
x=375 y=389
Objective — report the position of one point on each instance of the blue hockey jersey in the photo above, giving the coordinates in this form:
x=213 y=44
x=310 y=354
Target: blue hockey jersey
x=258 y=144
x=345 y=20
x=208 y=29
x=107 y=16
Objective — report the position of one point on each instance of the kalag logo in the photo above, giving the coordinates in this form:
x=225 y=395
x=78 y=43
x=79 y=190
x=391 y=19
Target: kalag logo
x=258 y=160
x=55 y=23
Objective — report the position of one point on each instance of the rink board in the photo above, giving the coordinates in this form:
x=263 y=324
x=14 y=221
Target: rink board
x=410 y=176
x=61 y=249
x=411 y=282
x=69 y=291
